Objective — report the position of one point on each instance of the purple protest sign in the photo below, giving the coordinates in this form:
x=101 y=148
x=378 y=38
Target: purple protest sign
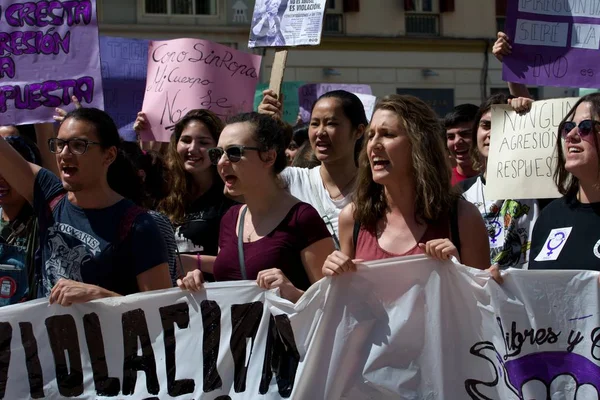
x=48 y=53
x=554 y=43
x=309 y=93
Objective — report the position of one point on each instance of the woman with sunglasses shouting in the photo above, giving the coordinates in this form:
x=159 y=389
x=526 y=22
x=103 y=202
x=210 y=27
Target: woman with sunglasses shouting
x=566 y=235
x=509 y=222
x=94 y=243
x=274 y=239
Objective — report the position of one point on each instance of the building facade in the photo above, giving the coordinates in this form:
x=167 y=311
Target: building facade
x=439 y=50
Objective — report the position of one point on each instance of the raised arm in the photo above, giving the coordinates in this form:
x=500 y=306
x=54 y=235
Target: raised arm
x=16 y=171
x=502 y=47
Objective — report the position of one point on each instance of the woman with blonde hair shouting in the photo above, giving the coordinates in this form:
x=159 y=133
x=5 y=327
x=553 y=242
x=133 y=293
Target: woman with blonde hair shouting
x=404 y=204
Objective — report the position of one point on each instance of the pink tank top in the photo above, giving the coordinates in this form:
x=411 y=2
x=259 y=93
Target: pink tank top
x=367 y=246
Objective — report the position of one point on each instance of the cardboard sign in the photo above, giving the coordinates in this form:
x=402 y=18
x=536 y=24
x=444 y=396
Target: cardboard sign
x=187 y=74
x=521 y=158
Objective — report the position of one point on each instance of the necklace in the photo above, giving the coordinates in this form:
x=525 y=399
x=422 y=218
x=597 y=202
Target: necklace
x=253 y=230
x=341 y=195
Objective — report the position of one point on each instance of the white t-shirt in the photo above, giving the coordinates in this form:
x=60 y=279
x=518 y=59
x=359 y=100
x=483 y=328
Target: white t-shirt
x=307 y=186
x=509 y=223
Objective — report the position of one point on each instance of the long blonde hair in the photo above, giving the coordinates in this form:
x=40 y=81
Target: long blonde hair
x=430 y=164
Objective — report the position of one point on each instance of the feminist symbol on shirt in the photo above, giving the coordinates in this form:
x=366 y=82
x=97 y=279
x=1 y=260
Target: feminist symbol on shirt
x=495 y=230
x=558 y=236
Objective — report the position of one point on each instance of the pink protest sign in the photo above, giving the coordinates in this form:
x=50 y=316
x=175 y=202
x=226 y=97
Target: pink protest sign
x=309 y=93
x=48 y=53
x=187 y=74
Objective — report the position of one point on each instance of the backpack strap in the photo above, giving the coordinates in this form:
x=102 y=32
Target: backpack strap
x=127 y=222
x=355 y=232
x=454 y=233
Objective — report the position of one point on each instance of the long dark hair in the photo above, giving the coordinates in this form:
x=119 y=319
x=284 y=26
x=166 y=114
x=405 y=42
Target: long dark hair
x=567 y=184
x=122 y=176
x=431 y=167
x=353 y=109
x=174 y=205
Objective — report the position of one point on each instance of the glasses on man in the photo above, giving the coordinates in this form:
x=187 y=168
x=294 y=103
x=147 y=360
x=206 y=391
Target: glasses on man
x=234 y=153
x=585 y=128
x=76 y=146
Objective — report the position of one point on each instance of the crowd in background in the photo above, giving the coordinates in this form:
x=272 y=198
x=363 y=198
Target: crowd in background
x=85 y=215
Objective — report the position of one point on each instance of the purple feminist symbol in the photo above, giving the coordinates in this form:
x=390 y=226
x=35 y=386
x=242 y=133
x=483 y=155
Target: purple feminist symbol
x=560 y=236
x=495 y=231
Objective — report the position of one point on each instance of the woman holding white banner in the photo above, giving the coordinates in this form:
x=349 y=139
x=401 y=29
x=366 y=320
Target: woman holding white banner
x=509 y=222
x=565 y=235
x=337 y=124
x=404 y=203
x=274 y=239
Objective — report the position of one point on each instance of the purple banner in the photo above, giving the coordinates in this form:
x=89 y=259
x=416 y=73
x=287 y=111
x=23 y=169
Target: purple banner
x=48 y=53
x=554 y=43
x=309 y=93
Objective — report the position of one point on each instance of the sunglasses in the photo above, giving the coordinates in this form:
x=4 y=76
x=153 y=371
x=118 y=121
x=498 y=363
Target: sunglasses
x=76 y=146
x=234 y=153
x=585 y=128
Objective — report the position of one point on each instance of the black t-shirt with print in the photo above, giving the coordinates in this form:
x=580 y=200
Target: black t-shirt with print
x=566 y=236
x=199 y=232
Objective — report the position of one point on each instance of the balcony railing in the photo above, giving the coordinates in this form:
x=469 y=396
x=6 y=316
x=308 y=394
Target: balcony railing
x=423 y=24
x=334 y=23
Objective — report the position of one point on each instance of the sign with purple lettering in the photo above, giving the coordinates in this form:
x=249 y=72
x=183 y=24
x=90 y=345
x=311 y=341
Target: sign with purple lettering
x=309 y=93
x=554 y=43
x=48 y=53
x=124 y=64
x=187 y=74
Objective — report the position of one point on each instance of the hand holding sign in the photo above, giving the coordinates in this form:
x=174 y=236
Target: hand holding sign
x=187 y=74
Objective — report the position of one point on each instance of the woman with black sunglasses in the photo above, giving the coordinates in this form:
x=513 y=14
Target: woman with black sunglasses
x=509 y=221
x=274 y=239
x=566 y=234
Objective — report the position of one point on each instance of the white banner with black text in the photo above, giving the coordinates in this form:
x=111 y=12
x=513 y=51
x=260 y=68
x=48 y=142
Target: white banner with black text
x=406 y=328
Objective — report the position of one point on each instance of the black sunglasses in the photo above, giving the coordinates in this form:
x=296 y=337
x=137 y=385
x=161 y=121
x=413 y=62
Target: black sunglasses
x=584 y=128
x=76 y=146
x=234 y=153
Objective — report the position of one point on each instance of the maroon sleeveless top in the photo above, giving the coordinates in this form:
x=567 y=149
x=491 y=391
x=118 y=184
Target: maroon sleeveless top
x=367 y=246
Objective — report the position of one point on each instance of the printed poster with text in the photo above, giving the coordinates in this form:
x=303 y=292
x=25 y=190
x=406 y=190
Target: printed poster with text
x=283 y=23
x=522 y=155
x=48 y=53
x=554 y=43
x=188 y=74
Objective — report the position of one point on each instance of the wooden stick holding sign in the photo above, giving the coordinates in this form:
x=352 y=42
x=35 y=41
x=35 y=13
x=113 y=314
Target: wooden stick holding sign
x=278 y=70
x=283 y=24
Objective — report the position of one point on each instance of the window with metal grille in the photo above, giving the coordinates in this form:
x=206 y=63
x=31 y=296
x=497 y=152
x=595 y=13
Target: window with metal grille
x=421 y=17
x=181 y=7
x=334 y=23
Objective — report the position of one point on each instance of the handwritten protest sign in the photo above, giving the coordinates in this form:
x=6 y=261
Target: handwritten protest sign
x=282 y=23
x=521 y=157
x=368 y=103
x=555 y=43
x=291 y=103
x=124 y=64
x=308 y=94
x=187 y=74
x=48 y=53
